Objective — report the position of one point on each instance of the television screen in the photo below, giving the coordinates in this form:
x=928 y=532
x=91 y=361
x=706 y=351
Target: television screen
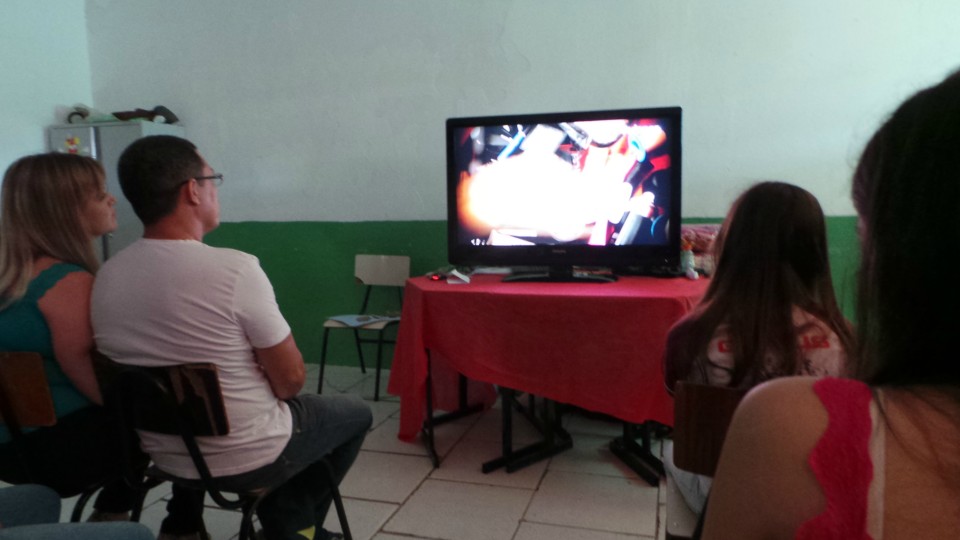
x=598 y=188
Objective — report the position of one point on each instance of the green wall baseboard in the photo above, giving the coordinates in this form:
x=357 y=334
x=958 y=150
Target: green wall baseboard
x=311 y=267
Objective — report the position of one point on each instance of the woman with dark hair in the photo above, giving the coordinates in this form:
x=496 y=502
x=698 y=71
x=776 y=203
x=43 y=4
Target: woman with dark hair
x=841 y=458
x=769 y=311
x=53 y=207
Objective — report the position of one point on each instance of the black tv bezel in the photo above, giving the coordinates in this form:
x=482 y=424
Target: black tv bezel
x=619 y=258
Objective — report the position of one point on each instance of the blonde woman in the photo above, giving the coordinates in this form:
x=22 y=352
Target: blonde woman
x=53 y=208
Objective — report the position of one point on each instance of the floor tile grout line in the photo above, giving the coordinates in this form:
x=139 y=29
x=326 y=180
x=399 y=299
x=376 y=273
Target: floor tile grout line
x=590 y=529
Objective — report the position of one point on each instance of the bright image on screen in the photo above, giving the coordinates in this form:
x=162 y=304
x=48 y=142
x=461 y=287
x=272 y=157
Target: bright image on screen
x=598 y=182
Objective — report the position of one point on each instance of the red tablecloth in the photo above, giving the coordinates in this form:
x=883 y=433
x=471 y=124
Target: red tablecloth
x=595 y=345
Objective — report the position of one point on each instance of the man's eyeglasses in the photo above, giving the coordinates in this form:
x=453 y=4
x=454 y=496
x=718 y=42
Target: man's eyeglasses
x=217 y=179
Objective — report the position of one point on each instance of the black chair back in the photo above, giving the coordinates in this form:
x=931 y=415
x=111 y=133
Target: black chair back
x=183 y=400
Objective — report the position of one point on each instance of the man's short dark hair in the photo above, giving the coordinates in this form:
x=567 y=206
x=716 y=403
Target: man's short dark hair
x=152 y=169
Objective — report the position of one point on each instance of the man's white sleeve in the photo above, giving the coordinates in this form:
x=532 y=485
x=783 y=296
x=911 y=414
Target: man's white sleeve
x=256 y=308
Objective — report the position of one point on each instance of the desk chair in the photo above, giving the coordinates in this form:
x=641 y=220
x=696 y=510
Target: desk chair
x=186 y=400
x=701 y=414
x=371 y=271
x=26 y=402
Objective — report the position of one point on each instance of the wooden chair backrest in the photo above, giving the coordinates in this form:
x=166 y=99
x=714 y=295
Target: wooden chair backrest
x=381 y=271
x=25 y=399
x=701 y=415
x=184 y=400
x=387 y=270
x=162 y=397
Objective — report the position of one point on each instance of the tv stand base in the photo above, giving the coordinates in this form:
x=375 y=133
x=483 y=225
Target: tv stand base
x=563 y=275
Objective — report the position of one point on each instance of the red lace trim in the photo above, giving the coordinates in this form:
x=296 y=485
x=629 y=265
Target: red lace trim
x=841 y=461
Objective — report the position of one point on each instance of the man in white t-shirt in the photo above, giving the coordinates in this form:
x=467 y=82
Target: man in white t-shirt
x=170 y=299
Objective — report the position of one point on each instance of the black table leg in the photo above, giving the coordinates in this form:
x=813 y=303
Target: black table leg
x=463 y=409
x=638 y=456
x=555 y=438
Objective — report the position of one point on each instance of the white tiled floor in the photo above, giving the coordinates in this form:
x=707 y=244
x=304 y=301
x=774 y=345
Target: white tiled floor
x=393 y=493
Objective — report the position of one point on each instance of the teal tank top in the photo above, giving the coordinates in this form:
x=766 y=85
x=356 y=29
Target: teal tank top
x=23 y=328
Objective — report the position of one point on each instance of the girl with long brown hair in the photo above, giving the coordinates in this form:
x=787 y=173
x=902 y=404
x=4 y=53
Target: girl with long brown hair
x=769 y=311
x=770 y=308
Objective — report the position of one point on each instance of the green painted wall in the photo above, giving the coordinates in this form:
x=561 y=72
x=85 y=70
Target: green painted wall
x=311 y=267
x=844 y=248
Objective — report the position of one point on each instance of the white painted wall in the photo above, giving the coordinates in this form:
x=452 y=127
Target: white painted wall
x=333 y=109
x=44 y=68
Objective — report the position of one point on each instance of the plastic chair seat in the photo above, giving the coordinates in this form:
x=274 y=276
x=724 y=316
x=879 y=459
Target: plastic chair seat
x=374 y=323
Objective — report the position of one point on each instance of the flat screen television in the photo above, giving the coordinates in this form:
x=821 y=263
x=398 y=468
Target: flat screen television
x=561 y=191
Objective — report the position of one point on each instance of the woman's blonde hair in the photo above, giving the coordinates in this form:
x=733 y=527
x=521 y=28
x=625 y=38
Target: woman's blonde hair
x=43 y=196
